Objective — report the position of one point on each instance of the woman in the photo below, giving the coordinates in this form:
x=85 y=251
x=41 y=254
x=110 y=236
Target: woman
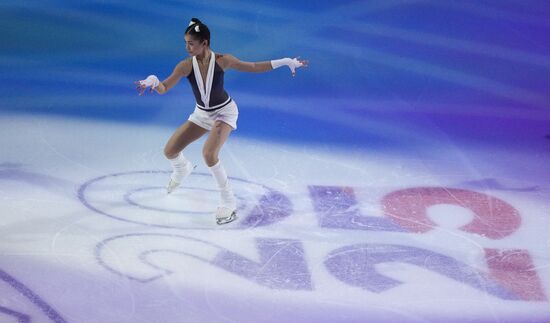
x=215 y=111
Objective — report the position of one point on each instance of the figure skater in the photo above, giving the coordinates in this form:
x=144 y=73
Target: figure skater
x=215 y=111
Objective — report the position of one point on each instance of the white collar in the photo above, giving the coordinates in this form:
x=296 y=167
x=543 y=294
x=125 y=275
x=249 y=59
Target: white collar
x=205 y=90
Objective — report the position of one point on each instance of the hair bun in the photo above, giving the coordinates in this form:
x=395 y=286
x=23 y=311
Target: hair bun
x=198 y=30
x=194 y=21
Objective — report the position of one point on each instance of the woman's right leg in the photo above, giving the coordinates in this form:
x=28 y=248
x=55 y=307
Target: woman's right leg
x=182 y=137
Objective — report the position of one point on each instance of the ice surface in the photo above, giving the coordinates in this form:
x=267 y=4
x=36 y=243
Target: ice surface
x=84 y=229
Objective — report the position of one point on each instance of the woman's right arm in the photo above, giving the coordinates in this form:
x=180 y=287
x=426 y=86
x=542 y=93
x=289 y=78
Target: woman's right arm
x=182 y=69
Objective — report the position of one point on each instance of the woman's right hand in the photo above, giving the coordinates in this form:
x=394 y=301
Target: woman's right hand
x=151 y=81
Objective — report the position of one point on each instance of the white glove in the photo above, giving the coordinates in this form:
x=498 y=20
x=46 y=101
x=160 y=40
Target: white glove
x=151 y=81
x=292 y=63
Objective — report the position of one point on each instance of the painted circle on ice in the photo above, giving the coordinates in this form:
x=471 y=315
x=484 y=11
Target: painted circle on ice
x=121 y=196
x=22 y=290
x=130 y=198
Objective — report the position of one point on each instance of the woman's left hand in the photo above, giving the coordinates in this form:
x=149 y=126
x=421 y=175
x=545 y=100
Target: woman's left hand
x=297 y=63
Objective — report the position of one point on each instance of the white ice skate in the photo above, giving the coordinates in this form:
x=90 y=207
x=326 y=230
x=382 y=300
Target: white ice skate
x=225 y=215
x=227 y=211
x=176 y=179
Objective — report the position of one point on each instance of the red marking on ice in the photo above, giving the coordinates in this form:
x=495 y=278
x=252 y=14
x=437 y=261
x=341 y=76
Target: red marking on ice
x=514 y=269
x=494 y=218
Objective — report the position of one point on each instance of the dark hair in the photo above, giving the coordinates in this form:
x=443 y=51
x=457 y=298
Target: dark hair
x=203 y=32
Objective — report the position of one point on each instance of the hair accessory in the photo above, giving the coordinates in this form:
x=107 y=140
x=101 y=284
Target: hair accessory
x=191 y=23
x=197 y=29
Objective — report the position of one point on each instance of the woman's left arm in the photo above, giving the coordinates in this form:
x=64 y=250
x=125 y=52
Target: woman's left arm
x=231 y=62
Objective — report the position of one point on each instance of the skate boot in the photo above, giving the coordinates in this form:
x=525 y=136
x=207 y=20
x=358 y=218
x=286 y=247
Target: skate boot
x=227 y=211
x=177 y=177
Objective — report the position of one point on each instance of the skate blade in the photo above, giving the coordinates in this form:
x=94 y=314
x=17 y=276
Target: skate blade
x=173 y=184
x=228 y=219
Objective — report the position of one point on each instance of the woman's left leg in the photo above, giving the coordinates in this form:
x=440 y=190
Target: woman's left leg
x=216 y=138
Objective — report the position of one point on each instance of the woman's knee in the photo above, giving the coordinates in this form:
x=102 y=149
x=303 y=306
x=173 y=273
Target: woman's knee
x=170 y=152
x=210 y=156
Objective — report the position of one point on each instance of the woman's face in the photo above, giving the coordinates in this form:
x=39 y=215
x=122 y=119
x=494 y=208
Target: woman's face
x=193 y=46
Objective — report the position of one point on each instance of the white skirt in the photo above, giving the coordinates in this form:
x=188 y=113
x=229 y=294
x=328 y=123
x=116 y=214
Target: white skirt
x=205 y=119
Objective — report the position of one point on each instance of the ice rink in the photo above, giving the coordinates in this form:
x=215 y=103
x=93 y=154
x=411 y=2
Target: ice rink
x=402 y=177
